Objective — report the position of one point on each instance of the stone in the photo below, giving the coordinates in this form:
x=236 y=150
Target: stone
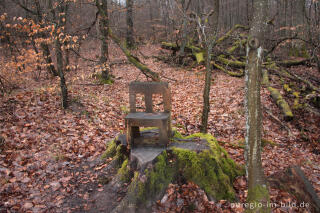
x=144 y=155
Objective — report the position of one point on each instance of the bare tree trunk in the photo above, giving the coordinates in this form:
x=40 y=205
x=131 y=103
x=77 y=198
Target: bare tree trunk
x=47 y=57
x=60 y=68
x=206 y=91
x=184 y=26
x=130 y=40
x=103 y=25
x=151 y=20
x=257 y=188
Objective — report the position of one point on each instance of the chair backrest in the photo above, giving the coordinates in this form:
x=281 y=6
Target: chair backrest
x=148 y=89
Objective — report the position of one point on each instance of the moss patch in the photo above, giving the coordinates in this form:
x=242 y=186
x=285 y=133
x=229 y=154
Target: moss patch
x=116 y=152
x=258 y=197
x=153 y=182
x=124 y=171
x=211 y=169
x=111 y=150
x=101 y=80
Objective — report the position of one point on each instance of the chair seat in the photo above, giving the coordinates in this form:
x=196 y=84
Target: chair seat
x=148 y=116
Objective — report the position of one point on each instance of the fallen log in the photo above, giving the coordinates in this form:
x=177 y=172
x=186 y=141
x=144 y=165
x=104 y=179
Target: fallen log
x=175 y=47
x=282 y=104
x=229 y=33
x=234 y=74
x=133 y=59
x=236 y=45
x=232 y=63
x=277 y=97
x=290 y=63
x=293 y=181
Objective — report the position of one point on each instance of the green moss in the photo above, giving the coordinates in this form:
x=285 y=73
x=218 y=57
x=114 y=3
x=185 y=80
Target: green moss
x=148 y=128
x=212 y=170
x=124 y=171
x=124 y=109
x=234 y=63
x=111 y=150
x=265 y=77
x=177 y=134
x=258 y=197
x=199 y=57
x=265 y=142
x=153 y=182
x=287 y=88
x=116 y=152
x=102 y=80
x=281 y=102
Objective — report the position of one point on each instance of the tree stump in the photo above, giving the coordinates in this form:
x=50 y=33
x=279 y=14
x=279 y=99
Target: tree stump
x=197 y=158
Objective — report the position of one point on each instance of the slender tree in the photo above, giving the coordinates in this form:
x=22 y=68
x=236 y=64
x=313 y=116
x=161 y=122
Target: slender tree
x=258 y=191
x=209 y=40
x=59 y=21
x=130 y=40
x=103 y=24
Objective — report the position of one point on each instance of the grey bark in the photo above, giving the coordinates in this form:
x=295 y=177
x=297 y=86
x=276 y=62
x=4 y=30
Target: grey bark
x=184 y=26
x=209 y=40
x=130 y=40
x=256 y=179
x=103 y=25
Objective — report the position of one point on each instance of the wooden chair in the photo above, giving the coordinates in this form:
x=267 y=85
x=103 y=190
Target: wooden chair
x=149 y=118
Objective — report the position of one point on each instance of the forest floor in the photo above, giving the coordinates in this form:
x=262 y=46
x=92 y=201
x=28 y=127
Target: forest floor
x=51 y=158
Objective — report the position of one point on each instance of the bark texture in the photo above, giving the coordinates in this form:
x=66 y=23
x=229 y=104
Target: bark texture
x=130 y=40
x=257 y=188
x=103 y=25
x=58 y=50
x=206 y=92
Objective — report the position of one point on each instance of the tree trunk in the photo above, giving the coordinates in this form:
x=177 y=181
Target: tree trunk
x=63 y=86
x=103 y=25
x=130 y=40
x=184 y=26
x=206 y=91
x=60 y=68
x=257 y=188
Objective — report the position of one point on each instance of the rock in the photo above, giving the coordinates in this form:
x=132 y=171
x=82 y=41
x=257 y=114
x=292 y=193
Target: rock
x=28 y=205
x=55 y=185
x=145 y=155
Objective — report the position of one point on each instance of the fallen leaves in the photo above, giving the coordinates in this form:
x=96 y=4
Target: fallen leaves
x=45 y=144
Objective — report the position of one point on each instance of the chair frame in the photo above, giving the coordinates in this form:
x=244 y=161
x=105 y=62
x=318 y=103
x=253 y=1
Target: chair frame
x=149 y=118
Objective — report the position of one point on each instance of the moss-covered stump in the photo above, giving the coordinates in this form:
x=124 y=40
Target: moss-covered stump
x=197 y=158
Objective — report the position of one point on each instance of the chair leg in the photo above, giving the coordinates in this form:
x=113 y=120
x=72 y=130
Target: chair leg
x=163 y=133
x=135 y=133
x=128 y=135
x=169 y=129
